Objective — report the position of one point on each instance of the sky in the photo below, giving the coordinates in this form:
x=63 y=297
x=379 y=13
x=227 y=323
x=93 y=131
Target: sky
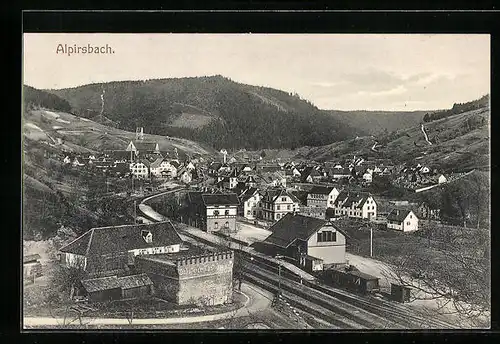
x=334 y=71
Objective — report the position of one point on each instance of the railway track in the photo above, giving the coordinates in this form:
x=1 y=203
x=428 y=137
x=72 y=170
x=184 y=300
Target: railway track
x=336 y=321
x=335 y=306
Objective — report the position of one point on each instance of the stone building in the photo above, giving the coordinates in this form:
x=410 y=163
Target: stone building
x=202 y=279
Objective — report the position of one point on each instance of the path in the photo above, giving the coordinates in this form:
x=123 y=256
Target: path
x=256 y=300
x=425 y=134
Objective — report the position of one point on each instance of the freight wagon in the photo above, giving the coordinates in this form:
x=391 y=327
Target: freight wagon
x=352 y=280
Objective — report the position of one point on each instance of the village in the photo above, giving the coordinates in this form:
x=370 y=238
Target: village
x=200 y=221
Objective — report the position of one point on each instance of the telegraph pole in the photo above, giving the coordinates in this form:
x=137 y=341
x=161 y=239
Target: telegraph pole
x=371 y=241
x=278 y=256
x=135 y=212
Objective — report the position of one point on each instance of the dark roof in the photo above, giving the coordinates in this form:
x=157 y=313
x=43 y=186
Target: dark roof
x=174 y=163
x=114 y=282
x=220 y=199
x=363 y=275
x=31 y=258
x=247 y=194
x=292 y=227
x=398 y=215
x=156 y=163
x=195 y=197
x=323 y=190
x=145 y=146
x=102 y=240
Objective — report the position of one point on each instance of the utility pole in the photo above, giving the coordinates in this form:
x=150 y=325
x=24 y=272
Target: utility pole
x=135 y=212
x=278 y=256
x=371 y=241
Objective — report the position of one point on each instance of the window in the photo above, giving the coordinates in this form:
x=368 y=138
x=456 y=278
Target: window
x=408 y=223
x=226 y=224
x=216 y=213
x=283 y=199
x=288 y=207
x=277 y=207
x=226 y=212
x=410 y=216
x=216 y=225
x=327 y=236
x=277 y=216
x=249 y=212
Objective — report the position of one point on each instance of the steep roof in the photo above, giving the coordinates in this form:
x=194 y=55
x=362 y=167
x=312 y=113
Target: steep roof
x=102 y=240
x=323 y=190
x=156 y=163
x=220 y=199
x=398 y=215
x=292 y=227
x=145 y=146
x=271 y=195
x=247 y=194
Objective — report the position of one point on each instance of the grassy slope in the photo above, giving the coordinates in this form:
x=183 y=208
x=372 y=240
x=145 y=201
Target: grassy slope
x=84 y=136
x=455 y=145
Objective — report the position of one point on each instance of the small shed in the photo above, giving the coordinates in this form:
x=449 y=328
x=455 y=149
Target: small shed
x=136 y=286
x=115 y=288
x=31 y=266
x=102 y=289
x=354 y=280
x=400 y=293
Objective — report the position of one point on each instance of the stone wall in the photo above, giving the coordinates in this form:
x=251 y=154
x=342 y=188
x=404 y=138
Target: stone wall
x=206 y=279
x=202 y=279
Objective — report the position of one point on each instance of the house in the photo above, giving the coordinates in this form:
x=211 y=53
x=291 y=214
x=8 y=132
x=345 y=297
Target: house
x=424 y=211
x=67 y=160
x=213 y=211
x=359 y=205
x=316 y=212
x=250 y=182
x=339 y=172
x=185 y=176
x=367 y=177
x=298 y=236
x=424 y=169
x=310 y=175
x=322 y=196
x=140 y=169
x=109 y=250
x=274 y=179
x=402 y=220
x=249 y=203
x=276 y=203
x=442 y=179
x=190 y=166
x=77 y=162
x=161 y=168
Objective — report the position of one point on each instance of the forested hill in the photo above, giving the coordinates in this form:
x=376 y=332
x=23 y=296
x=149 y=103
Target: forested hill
x=214 y=110
x=458 y=108
x=378 y=122
x=35 y=97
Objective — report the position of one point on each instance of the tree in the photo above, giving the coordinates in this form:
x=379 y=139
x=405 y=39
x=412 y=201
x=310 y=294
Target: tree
x=263 y=154
x=453 y=271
